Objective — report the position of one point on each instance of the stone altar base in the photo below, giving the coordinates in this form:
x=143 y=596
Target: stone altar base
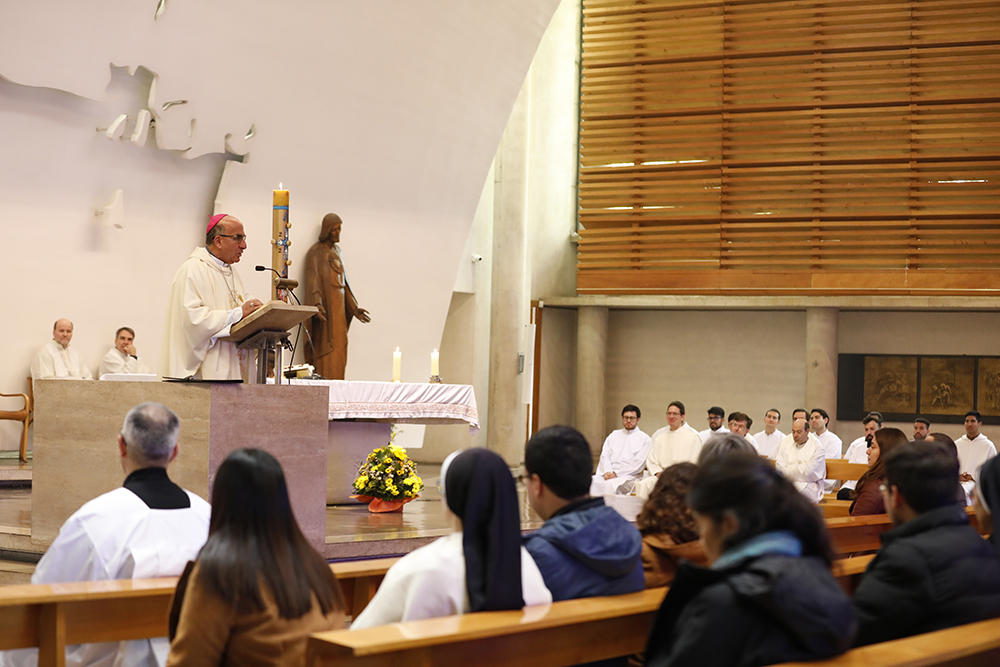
x=77 y=425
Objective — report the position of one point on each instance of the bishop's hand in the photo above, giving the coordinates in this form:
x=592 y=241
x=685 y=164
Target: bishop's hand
x=250 y=306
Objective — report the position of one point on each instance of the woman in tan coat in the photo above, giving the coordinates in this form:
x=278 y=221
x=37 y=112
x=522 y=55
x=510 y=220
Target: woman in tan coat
x=667 y=526
x=258 y=588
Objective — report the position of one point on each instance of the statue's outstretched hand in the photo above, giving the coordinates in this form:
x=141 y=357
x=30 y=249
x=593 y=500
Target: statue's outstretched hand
x=362 y=315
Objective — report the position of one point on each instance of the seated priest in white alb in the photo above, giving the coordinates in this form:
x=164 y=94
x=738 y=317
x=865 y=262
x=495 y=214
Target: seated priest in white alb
x=801 y=459
x=122 y=358
x=833 y=446
x=740 y=423
x=974 y=449
x=206 y=298
x=56 y=360
x=770 y=438
x=622 y=458
x=675 y=443
x=149 y=527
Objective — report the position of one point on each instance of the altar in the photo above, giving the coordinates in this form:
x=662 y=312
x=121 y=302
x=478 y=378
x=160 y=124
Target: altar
x=320 y=431
x=360 y=415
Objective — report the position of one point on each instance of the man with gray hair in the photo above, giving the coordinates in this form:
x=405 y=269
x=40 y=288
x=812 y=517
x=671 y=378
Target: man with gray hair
x=150 y=527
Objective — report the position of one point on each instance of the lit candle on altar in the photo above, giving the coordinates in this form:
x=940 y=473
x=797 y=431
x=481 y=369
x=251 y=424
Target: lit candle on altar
x=434 y=363
x=279 y=241
x=397 y=363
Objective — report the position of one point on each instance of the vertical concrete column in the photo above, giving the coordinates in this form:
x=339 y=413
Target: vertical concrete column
x=506 y=418
x=591 y=358
x=822 y=326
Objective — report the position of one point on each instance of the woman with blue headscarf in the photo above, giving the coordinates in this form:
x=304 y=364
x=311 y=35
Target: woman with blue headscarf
x=481 y=566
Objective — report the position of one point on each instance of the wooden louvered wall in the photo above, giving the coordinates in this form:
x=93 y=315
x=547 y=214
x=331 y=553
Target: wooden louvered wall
x=773 y=147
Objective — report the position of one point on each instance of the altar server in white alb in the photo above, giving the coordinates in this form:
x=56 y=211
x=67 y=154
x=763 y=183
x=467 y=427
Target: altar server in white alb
x=150 y=527
x=769 y=439
x=677 y=442
x=207 y=297
x=801 y=460
x=123 y=357
x=623 y=456
x=56 y=360
x=974 y=449
x=832 y=445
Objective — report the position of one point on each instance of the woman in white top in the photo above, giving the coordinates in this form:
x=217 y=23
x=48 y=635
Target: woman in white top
x=478 y=566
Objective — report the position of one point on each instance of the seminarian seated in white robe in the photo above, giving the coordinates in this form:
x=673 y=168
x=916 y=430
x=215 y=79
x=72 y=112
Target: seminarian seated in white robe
x=622 y=458
x=150 y=527
x=675 y=443
x=56 y=360
x=802 y=460
x=122 y=359
x=206 y=298
x=974 y=449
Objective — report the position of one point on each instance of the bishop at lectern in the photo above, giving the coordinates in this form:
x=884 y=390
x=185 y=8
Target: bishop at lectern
x=206 y=298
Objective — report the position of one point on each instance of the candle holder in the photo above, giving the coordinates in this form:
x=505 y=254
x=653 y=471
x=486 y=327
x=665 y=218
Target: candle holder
x=435 y=379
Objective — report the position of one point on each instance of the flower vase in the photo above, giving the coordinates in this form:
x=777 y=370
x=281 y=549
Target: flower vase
x=379 y=506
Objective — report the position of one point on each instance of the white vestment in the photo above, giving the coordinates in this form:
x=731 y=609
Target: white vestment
x=833 y=448
x=804 y=465
x=767 y=445
x=753 y=442
x=972 y=454
x=56 y=361
x=117 y=536
x=429 y=582
x=119 y=362
x=668 y=447
x=205 y=300
x=857 y=452
x=624 y=453
x=708 y=433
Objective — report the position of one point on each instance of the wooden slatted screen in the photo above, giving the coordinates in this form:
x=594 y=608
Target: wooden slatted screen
x=801 y=146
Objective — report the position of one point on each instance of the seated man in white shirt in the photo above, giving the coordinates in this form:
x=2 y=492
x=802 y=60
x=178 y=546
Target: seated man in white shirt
x=56 y=360
x=769 y=439
x=122 y=358
x=715 y=423
x=974 y=449
x=832 y=445
x=623 y=456
x=801 y=459
x=740 y=423
x=921 y=428
x=857 y=451
x=150 y=527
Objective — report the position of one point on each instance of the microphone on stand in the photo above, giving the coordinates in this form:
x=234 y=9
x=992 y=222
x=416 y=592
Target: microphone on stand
x=302 y=327
x=261 y=267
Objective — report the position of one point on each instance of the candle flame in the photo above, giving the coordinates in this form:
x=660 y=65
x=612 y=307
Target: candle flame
x=397 y=349
x=280 y=186
x=435 y=351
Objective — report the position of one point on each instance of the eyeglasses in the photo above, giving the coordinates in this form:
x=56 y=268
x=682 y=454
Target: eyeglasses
x=239 y=238
x=523 y=477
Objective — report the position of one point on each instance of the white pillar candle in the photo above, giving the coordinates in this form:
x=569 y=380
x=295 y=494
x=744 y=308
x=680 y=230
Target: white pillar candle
x=434 y=363
x=397 y=363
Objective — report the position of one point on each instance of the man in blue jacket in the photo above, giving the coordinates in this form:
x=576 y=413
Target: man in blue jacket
x=585 y=548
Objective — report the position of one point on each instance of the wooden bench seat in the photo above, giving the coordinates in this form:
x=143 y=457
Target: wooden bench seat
x=972 y=645
x=563 y=633
x=56 y=615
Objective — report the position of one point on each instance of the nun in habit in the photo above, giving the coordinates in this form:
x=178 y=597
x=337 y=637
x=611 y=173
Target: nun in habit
x=475 y=568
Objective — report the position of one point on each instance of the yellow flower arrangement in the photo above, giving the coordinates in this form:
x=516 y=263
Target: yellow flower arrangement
x=388 y=474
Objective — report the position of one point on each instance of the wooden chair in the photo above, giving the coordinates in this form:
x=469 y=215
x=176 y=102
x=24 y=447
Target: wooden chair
x=26 y=415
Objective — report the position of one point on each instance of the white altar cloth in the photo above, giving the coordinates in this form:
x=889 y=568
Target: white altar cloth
x=401 y=402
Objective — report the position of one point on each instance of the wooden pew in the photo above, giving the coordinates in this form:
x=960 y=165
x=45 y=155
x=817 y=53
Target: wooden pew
x=563 y=633
x=972 y=645
x=841 y=470
x=857 y=534
x=54 y=616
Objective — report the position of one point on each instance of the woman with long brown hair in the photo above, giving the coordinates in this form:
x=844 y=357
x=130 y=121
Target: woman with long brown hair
x=258 y=588
x=866 y=495
x=666 y=522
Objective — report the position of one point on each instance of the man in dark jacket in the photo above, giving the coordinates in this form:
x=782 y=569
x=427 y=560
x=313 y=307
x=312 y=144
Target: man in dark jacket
x=934 y=571
x=585 y=548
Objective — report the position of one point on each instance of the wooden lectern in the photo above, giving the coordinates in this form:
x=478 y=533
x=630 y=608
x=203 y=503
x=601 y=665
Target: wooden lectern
x=266 y=329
